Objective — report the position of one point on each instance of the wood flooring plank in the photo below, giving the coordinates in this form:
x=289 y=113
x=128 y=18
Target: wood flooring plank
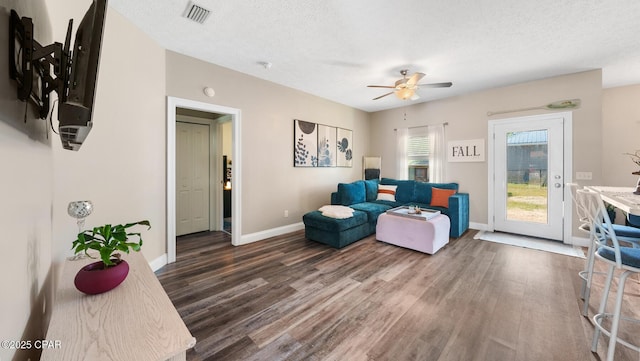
x=283 y=347
x=450 y=296
x=194 y=310
x=327 y=296
x=377 y=315
x=269 y=315
x=226 y=319
x=241 y=349
x=334 y=323
x=288 y=298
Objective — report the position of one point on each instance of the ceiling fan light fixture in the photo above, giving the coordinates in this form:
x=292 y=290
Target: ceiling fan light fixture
x=405 y=88
x=405 y=93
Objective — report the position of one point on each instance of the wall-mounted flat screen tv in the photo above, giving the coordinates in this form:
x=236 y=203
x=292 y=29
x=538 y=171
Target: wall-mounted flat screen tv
x=75 y=70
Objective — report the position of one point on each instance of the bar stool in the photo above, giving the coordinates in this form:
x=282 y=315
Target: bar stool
x=633 y=220
x=627 y=234
x=608 y=250
x=585 y=228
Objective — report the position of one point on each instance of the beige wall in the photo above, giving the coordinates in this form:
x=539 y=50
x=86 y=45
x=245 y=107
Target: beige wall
x=227 y=140
x=25 y=200
x=120 y=167
x=270 y=183
x=467 y=118
x=620 y=131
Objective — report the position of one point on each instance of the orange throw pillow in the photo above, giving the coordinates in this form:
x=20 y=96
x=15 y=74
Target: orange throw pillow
x=440 y=197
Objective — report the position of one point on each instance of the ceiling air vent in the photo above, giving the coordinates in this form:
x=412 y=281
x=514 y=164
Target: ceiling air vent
x=196 y=13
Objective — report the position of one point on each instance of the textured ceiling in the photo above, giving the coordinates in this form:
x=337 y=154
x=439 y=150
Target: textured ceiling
x=335 y=48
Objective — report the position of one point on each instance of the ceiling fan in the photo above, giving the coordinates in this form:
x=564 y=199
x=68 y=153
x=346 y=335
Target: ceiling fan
x=405 y=88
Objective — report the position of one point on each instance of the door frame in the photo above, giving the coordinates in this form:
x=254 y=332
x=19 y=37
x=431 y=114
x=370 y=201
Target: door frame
x=236 y=184
x=567 y=233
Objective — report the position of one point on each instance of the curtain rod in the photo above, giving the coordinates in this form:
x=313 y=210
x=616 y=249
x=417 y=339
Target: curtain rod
x=421 y=126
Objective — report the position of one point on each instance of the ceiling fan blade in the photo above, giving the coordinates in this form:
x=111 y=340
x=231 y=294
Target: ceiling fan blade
x=436 y=85
x=381 y=86
x=414 y=79
x=382 y=96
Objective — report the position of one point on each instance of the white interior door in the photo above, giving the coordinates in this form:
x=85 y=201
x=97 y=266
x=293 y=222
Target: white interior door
x=528 y=162
x=192 y=178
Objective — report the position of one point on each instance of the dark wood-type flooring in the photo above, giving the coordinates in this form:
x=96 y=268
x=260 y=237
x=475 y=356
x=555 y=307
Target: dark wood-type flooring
x=288 y=298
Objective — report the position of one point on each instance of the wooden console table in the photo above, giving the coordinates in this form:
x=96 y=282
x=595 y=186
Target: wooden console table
x=134 y=321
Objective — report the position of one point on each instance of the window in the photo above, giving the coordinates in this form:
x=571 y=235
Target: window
x=420 y=152
x=418 y=157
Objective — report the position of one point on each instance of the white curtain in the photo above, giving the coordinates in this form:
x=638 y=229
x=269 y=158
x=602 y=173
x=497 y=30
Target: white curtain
x=437 y=152
x=402 y=168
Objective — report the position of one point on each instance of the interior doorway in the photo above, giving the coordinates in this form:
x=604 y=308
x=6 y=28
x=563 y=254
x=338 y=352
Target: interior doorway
x=176 y=108
x=529 y=163
x=203 y=163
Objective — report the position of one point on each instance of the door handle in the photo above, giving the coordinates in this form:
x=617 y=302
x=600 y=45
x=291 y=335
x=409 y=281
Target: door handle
x=558 y=185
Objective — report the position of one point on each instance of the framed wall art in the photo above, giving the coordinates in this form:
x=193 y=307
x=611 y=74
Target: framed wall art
x=305 y=144
x=345 y=147
x=319 y=145
x=326 y=146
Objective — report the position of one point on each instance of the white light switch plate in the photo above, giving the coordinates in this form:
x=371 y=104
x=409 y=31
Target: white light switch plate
x=584 y=176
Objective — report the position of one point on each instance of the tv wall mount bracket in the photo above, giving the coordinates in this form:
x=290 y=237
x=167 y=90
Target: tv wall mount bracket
x=30 y=64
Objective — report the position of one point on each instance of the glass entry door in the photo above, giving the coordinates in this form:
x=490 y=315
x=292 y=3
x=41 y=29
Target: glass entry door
x=528 y=177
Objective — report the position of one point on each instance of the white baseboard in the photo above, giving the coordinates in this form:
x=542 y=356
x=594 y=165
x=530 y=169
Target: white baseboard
x=479 y=226
x=161 y=261
x=258 y=236
x=580 y=241
x=158 y=263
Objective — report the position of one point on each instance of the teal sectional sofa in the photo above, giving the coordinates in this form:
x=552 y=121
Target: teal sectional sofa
x=362 y=197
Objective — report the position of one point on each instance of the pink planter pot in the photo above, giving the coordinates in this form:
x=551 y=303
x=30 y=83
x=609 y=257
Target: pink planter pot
x=93 y=278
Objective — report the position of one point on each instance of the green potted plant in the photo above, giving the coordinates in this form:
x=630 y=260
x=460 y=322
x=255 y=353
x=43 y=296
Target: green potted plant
x=107 y=240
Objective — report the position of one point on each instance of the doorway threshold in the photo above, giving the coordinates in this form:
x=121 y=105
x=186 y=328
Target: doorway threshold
x=530 y=242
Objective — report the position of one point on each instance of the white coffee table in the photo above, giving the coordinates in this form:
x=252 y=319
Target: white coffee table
x=424 y=235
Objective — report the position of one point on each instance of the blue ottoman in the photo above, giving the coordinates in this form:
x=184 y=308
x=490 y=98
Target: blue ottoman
x=334 y=232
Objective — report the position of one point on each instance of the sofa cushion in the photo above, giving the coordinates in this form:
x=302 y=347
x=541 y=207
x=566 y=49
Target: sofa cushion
x=391 y=204
x=386 y=193
x=445 y=185
x=371 y=189
x=423 y=190
x=351 y=193
x=315 y=219
x=406 y=189
x=338 y=239
x=373 y=210
x=440 y=197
